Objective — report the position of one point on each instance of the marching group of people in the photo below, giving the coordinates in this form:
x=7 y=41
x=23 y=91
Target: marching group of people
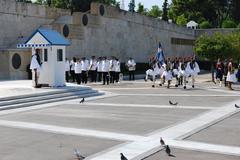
x=101 y=69
x=179 y=68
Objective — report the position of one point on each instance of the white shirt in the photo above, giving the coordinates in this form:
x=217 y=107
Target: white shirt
x=93 y=65
x=67 y=65
x=112 y=65
x=78 y=67
x=85 y=65
x=105 y=66
x=117 y=66
x=34 y=63
x=99 y=66
x=131 y=65
x=72 y=64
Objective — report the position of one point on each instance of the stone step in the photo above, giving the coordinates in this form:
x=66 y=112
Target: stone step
x=29 y=104
x=60 y=91
x=45 y=97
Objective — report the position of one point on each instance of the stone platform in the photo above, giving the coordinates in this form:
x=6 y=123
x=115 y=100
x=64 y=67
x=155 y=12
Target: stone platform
x=130 y=118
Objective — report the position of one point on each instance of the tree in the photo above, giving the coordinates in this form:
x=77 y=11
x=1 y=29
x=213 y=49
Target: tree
x=229 y=24
x=155 y=12
x=165 y=11
x=213 y=47
x=181 y=20
x=235 y=12
x=132 y=6
x=214 y=11
x=141 y=9
x=205 y=25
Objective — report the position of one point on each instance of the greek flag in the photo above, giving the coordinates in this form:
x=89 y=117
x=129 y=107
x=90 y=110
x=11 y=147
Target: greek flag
x=160 y=56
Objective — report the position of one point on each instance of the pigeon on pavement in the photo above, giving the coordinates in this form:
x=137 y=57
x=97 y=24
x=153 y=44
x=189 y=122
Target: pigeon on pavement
x=174 y=104
x=123 y=157
x=83 y=100
x=78 y=155
x=162 y=142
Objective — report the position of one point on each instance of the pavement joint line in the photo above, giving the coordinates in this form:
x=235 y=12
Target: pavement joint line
x=223 y=91
x=137 y=149
x=180 y=95
x=148 y=106
x=206 y=147
x=70 y=131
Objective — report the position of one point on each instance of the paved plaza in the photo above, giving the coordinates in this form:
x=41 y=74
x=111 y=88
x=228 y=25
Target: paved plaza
x=129 y=118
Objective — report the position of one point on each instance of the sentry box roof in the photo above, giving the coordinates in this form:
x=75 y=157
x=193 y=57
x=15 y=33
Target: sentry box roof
x=44 y=37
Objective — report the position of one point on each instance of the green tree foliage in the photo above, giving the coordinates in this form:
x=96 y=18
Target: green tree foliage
x=217 y=46
x=76 y=5
x=235 y=11
x=229 y=24
x=155 y=12
x=205 y=25
x=141 y=9
x=181 y=20
x=165 y=11
x=214 y=11
x=131 y=6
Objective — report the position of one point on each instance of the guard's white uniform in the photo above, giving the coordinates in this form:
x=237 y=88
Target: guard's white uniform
x=182 y=72
x=168 y=75
x=34 y=63
x=193 y=72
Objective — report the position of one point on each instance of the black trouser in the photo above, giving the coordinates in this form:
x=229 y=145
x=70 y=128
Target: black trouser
x=117 y=76
x=78 y=77
x=225 y=81
x=105 y=78
x=73 y=75
x=180 y=81
x=131 y=75
x=67 y=76
x=99 y=76
x=112 y=76
x=93 y=75
x=84 y=77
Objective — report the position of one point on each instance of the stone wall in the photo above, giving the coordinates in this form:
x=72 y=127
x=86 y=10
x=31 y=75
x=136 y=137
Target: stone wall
x=107 y=31
x=124 y=34
x=21 y=19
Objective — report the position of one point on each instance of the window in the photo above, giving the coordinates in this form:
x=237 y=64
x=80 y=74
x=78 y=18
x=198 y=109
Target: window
x=45 y=55
x=181 y=41
x=59 y=55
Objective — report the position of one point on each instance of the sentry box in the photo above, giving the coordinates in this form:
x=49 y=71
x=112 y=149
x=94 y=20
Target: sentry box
x=51 y=47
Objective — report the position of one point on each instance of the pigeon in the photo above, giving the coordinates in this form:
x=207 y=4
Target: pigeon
x=78 y=155
x=83 y=100
x=168 y=151
x=123 y=157
x=237 y=106
x=162 y=142
x=174 y=104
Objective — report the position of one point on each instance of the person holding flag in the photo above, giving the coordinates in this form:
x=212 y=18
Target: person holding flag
x=160 y=56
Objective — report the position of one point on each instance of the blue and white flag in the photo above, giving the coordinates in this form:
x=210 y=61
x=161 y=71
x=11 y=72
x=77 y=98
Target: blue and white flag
x=160 y=56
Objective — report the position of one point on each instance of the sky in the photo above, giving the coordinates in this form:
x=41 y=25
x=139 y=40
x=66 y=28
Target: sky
x=147 y=3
